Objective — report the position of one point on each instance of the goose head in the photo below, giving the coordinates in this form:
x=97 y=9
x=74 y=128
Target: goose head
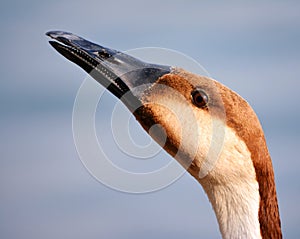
x=208 y=128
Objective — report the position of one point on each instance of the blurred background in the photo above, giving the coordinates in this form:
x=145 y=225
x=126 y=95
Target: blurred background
x=46 y=192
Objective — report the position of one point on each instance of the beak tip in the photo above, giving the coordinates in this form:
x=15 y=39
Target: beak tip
x=57 y=34
x=54 y=44
x=52 y=34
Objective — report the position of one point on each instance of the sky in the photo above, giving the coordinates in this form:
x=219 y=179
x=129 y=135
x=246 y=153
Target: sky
x=46 y=192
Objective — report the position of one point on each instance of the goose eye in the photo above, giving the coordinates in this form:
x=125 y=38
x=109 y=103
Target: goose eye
x=200 y=99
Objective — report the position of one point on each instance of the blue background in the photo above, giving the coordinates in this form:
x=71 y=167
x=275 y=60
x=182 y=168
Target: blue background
x=46 y=192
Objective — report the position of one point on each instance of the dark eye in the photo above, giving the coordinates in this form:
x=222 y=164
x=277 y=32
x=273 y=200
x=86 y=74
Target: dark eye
x=200 y=99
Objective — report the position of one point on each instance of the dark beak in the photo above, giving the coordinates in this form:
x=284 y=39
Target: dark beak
x=120 y=73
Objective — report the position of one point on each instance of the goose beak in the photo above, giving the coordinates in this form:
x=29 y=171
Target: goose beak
x=120 y=73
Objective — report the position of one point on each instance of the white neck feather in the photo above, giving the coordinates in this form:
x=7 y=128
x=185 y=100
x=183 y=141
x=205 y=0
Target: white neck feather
x=233 y=190
x=236 y=208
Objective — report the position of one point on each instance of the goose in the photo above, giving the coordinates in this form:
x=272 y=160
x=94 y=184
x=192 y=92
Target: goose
x=231 y=159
